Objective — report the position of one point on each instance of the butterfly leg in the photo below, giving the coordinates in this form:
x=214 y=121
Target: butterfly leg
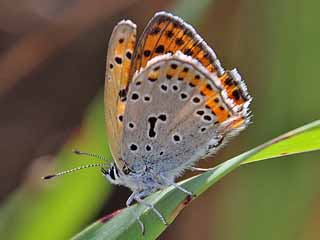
x=202 y=169
x=168 y=182
x=199 y=169
x=135 y=214
x=139 y=199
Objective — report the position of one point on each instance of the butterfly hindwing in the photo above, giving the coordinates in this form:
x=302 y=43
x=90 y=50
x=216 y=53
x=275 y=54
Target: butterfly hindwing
x=120 y=50
x=176 y=113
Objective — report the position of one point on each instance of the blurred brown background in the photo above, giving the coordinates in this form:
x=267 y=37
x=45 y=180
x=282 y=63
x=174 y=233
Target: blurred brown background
x=52 y=63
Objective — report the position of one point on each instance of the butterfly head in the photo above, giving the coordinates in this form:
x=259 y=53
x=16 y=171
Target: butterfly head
x=118 y=176
x=115 y=175
x=112 y=174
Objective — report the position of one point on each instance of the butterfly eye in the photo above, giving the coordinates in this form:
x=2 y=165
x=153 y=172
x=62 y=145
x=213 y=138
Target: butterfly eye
x=126 y=170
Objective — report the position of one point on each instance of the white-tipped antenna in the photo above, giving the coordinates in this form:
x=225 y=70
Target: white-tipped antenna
x=76 y=151
x=76 y=169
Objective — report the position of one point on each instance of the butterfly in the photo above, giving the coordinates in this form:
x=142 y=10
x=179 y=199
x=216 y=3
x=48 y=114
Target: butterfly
x=168 y=104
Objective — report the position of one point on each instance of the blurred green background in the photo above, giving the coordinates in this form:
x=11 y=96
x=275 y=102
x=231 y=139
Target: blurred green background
x=52 y=57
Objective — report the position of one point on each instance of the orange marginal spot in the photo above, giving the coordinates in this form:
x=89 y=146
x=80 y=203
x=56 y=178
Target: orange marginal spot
x=211 y=97
x=221 y=112
x=210 y=101
x=209 y=93
x=239 y=101
x=230 y=86
x=171 y=73
x=211 y=104
x=195 y=82
x=207 y=90
x=182 y=75
x=235 y=93
x=153 y=75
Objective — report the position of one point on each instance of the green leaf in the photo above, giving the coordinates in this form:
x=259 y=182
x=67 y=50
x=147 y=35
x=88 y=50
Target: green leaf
x=170 y=201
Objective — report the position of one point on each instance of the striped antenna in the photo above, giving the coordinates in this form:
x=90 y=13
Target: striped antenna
x=76 y=169
x=78 y=152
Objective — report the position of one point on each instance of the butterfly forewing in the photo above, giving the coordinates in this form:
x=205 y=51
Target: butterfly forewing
x=176 y=112
x=120 y=50
x=166 y=33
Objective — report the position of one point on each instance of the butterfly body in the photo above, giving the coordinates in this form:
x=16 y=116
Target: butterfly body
x=168 y=104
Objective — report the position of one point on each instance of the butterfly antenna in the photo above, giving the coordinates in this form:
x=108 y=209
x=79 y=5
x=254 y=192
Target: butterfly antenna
x=75 y=169
x=78 y=152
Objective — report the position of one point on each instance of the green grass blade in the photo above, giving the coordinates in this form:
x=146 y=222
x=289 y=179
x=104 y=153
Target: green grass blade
x=300 y=140
x=170 y=202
